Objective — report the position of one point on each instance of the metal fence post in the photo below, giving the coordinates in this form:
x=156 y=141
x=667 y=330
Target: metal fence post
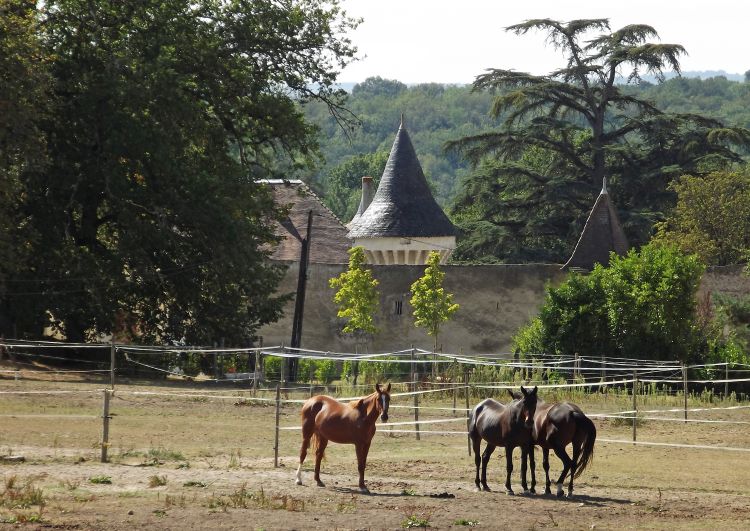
x=416 y=409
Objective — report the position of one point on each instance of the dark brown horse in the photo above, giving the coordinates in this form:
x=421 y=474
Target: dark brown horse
x=325 y=419
x=555 y=427
x=507 y=426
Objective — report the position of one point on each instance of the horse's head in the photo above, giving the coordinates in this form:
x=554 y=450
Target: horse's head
x=528 y=406
x=384 y=400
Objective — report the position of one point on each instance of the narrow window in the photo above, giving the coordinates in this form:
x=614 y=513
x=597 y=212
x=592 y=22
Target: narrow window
x=398 y=307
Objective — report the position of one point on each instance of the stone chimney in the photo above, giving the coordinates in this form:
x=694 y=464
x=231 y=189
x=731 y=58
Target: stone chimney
x=368 y=192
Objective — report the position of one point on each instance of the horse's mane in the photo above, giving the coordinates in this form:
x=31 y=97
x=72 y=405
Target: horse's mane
x=356 y=404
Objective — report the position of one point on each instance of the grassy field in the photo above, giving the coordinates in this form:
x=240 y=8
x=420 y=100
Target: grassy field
x=203 y=457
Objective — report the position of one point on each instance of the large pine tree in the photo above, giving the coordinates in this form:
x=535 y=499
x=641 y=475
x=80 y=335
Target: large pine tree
x=563 y=132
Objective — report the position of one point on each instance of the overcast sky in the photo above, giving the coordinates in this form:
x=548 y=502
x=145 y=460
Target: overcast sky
x=452 y=41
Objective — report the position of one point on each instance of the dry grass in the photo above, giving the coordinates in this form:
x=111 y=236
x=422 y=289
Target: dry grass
x=219 y=459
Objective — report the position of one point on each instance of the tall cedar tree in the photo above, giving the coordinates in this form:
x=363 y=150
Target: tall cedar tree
x=432 y=305
x=563 y=132
x=168 y=112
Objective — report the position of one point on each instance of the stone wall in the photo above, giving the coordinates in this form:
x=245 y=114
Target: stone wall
x=495 y=301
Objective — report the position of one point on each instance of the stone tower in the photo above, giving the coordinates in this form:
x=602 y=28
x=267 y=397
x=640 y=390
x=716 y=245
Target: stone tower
x=403 y=223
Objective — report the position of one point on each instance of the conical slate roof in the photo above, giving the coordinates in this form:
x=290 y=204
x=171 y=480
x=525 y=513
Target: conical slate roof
x=403 y=206
x=601 y=235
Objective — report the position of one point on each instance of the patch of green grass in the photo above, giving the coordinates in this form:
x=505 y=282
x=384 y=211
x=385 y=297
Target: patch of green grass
x=100 y=480
x=165 y=454
x=408 y=492
x=414 y=521
x=466 y=522
x=17 y=496
x=194 y=483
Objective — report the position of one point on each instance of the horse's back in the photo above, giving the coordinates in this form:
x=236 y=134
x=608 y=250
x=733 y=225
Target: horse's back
x=485 y=420
x=560 y=423
x=315 y=404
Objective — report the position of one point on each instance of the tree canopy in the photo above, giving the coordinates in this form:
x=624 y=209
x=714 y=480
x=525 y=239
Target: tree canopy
x=643 y=305
x=148 y=217
x=563 y=132
x=356 y=295
x=432 y=304
x=711 y=218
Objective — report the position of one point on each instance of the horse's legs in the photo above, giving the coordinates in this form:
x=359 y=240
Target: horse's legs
x=476 y=443
x=486 y=459
x=567 y=463
x=508 y=469
x=319 y=452
x=533 y=468
x=362 y=451
x=573 y=466
x=545 y=465
x=524 y=458
x=307 y=433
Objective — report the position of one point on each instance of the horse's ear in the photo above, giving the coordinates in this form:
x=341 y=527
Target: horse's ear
x=359 y=403
x=377 y=388
x=536 y=388
x=510 y=392
x=525 y=393
x=388 y=388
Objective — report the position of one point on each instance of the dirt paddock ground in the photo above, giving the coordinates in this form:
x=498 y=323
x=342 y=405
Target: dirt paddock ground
x=182 y=458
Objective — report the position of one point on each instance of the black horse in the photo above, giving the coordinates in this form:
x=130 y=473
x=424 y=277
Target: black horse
x=507 y=426
x=555 y=427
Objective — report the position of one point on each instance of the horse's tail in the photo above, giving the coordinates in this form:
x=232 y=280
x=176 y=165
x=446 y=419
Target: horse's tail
x=314 y=444
x=473 y=420
x=587 y=453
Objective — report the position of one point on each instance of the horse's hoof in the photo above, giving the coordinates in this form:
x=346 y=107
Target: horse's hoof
x=298 y=482
x=486 y=488
x=533 y=490
x=320 y=484
x=560 y=494
x=478 y=489
x=547 y=492
x=364 y=490
x=510 y=492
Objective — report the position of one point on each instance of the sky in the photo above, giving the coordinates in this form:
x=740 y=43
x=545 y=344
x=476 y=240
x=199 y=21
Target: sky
x=453 y=41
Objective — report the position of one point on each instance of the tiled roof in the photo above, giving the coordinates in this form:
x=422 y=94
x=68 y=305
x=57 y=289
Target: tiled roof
x=328 y=243
x=601 y=235
x=403 y=205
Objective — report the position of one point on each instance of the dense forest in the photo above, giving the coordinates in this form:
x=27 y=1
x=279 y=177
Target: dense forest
x=436 y=114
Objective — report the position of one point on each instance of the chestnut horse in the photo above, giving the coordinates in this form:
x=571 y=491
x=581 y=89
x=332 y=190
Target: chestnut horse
x=507 y=426
x=555 y=427
x=325 y=419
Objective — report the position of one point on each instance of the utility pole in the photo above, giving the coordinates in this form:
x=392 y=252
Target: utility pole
x=299 y=303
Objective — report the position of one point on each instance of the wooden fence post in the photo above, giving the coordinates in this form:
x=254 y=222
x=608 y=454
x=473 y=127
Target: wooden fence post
x=466 y=391
x=726 y=382
x=112 y=352
x=278 y=412
x=685 y=388
x=635 y=404
x=416 y=408
x=105 y=426
x=256 y=372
